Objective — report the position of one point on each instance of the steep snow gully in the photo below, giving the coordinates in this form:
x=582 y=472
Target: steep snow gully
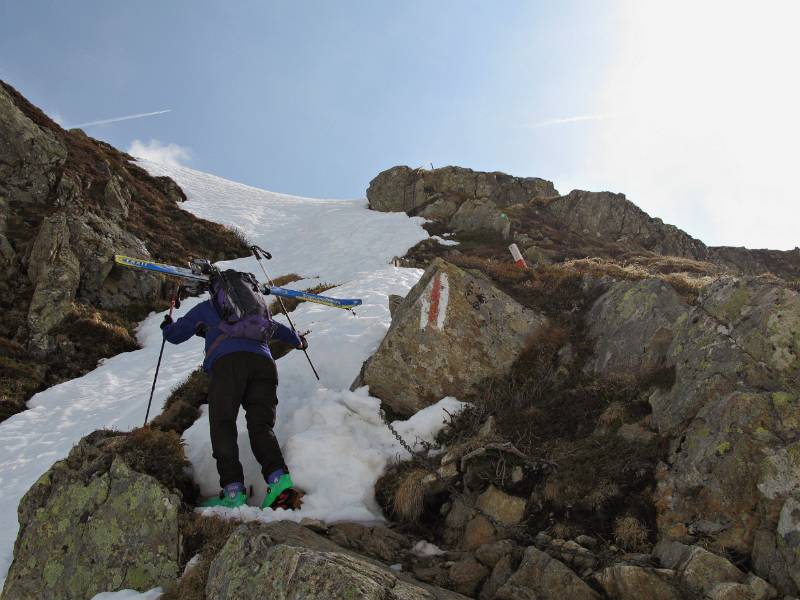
x=334 y=441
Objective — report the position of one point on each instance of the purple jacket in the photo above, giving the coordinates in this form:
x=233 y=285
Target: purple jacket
x=205 y=314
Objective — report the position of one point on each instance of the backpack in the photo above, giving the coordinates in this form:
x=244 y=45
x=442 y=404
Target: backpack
x=241 y=306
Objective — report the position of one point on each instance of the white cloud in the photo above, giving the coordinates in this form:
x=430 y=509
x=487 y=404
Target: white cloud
x=707 y=136
x=154 y=150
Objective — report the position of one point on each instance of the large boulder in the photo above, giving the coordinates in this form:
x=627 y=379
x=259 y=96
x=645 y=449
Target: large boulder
x=733 y=472
x=542 y=577
x=96 y=522
x=282 y=561
x=709 y=575
x=629 y=582
x=439 y=193
x=614 y=218
x=454 y=329
x=633 y=325
x=481 y=216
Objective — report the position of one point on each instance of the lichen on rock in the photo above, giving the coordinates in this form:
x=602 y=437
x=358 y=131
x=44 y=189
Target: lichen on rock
x=96 y=521
x=453 y=329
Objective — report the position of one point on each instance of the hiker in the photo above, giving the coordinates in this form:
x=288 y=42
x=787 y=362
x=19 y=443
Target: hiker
x=236 y=325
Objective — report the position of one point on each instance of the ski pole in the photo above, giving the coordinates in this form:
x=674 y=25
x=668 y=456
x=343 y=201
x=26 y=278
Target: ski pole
x=160 y=354
x=258 y=252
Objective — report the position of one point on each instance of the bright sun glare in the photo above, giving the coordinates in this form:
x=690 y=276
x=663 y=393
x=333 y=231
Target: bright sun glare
x=707 y=103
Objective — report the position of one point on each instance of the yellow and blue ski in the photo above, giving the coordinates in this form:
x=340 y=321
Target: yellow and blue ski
x=191 y=275
x=149 y=265
x=326 y=300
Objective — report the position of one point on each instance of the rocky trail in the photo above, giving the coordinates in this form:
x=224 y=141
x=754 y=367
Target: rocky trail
x=616 y=420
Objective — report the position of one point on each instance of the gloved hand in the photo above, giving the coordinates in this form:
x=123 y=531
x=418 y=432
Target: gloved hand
x=303 y=343
x=201 y=330
x=167 y=321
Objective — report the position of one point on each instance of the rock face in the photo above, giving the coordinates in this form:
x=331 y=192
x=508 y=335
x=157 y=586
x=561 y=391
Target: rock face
x=32 y=155
x=546 y=225
x=452 y=330
x=613 y=217
x=93 y=523
x=470 y=201
x=706 y=574
x=282 y=561
x=628 y=582
x=543 y=577
x=734 y=468
x=68 y=204
x=632 y=326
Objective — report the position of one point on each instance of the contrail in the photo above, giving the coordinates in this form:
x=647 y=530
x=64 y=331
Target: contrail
x=574 y=119
x=118 y=119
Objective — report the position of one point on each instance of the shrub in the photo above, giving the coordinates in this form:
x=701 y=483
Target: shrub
x=182 y=407
x=631 y=534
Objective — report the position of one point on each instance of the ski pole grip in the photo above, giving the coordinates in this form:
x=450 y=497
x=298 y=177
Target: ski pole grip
x=264 y=253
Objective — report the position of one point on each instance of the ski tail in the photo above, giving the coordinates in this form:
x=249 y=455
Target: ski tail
x=346 y=303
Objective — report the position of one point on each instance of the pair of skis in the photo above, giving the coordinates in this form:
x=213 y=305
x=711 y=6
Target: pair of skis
x=192 y=276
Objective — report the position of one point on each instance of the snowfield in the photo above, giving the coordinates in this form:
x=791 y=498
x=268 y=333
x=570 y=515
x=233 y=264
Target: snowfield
x=333 y=439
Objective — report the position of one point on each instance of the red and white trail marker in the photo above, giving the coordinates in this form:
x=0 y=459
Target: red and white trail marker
x=517 y=255
x=433 y=310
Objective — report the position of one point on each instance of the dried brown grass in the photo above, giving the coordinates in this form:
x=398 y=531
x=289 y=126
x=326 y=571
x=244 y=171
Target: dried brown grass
x=409 y=497
x=631 y=534
x=182 y=407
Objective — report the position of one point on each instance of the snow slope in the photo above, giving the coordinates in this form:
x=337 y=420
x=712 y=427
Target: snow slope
x=333 y=439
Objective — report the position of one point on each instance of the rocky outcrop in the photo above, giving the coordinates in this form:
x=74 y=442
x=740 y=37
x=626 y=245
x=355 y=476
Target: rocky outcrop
x=541 y=576
x=97 y=521
x=733 y=474
x=452 y=330
x=32 y=155
x=629 y=582
x=706 y=574
x=614 y=218
x=468 y=200
x=284 y=560
x=632 y=326
x=548 y=227
x=68 y=204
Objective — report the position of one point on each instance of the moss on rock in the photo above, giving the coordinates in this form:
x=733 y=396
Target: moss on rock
x=105 y=518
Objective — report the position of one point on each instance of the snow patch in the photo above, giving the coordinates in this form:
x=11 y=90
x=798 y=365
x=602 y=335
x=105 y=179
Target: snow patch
x=337 y=448
x=333 y=438
x=130 y=595
x=445 y=242
x=423 y=549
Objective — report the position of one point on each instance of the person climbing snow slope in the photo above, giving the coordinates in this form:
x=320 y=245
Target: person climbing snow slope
x=237 y=327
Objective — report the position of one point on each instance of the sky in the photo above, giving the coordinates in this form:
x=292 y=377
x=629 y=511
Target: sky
x=689 y=108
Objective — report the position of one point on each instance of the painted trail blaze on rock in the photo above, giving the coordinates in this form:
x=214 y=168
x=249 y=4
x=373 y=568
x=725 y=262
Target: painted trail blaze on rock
x=454 y=329
x=433 y=308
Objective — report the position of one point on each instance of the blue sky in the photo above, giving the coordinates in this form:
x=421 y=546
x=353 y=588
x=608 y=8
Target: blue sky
x=315 y=98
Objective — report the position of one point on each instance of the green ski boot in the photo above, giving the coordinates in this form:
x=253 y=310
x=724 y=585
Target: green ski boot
x=232 y=495
x=281 y=492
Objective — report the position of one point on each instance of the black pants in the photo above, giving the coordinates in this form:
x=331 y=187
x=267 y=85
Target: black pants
x=249 y=380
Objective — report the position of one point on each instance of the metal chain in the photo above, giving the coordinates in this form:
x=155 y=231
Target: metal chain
x=516 y=532
x=448 y=486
